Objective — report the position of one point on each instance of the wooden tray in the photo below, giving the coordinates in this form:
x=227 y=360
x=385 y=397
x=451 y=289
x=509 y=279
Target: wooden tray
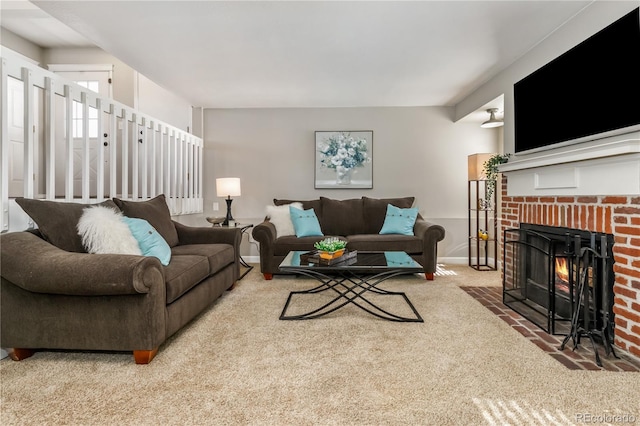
x=313 y=257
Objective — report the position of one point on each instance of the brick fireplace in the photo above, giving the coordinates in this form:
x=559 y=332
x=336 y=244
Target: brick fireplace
x=555 y=191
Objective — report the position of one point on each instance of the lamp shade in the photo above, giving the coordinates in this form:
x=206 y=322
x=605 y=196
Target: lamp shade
x=228 y=187
x=476 y=165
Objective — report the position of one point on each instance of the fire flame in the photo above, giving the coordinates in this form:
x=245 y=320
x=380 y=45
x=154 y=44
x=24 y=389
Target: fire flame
x=562 y=269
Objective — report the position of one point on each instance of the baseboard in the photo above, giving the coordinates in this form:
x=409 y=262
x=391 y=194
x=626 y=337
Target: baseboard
x=251 y=259
x=453 y=260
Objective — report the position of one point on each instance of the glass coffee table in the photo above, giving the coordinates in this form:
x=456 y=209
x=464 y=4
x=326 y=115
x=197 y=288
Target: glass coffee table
x=353 y=281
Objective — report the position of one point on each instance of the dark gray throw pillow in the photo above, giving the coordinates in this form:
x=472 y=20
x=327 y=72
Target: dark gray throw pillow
x=58 y=221
x=342 y=217
x=156 y=212
x=306 y=205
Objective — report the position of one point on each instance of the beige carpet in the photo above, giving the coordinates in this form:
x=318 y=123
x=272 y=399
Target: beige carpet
x=238 y=364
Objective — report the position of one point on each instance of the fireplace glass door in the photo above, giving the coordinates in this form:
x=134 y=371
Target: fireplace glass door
x=543 y=266
x=536 y=280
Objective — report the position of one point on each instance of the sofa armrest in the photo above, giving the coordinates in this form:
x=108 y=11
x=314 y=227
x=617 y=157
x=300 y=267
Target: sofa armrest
x=264 y=233
x=430 y=234
x=208 y=235
x=37 y=266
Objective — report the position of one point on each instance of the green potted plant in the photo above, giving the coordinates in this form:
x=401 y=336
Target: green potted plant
x=490 y=168
x=330 y=248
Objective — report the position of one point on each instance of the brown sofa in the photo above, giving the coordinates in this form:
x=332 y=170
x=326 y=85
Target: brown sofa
x=359 y=222
x=65 y=298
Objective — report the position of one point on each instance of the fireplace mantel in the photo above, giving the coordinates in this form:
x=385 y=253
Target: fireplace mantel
x=608 y=166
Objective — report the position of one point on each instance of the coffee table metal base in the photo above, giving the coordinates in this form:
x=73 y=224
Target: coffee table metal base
x=350 y=288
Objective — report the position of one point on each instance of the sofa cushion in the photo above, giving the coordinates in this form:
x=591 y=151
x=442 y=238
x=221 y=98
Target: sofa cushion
x=150 y=241
x=375 y=211
x=305 y=222
x=284 y=245
x=389 y=242
x=399 y=221
x=58 y=221
x=156 y=212
x=306 y=205
x=219 y=255
x=342 y=217
x=183 y=273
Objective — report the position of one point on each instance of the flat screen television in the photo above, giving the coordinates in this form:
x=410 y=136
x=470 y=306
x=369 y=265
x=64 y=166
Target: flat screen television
x=590 y=91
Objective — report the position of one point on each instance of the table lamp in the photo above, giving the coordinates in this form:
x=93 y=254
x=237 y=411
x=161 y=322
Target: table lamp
x=228 y=187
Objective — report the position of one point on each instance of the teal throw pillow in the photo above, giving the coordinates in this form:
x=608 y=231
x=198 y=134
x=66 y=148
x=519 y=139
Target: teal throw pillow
x=305 y=222
x=150 y=241
x=399 y=221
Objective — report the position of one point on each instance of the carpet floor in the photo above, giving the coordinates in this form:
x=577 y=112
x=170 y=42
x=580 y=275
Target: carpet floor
x=238 y=364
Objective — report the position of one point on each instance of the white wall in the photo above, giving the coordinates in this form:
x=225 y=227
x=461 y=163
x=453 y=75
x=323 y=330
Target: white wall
x=160 y=103
x=417 y=151
x=129 y=87
x=123 y=76
x=20 y=45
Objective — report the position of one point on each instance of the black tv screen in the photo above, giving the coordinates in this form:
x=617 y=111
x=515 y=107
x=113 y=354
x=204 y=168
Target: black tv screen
x=592 y=89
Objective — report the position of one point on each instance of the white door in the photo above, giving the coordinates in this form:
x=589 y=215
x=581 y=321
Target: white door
x=99 y=82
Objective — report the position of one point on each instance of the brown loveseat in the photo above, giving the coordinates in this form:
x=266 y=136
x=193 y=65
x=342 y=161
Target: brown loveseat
x=359 y=222
x=65 y=298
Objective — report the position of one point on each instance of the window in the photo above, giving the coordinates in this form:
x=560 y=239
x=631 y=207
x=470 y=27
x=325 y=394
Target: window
x=78 y=113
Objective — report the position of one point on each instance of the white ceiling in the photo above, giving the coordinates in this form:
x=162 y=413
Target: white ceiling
x=300 y=53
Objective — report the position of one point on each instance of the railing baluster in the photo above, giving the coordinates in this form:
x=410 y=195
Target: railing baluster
x=100 y=154
x=194 y=173
x=173 y=168
x=50 y=137
x=188 y=174
x=200 y=175
x=145 y=158
x=162 y=146
x=180 y=173
x=113 y=152
x=167 y=167
x=68 y=178
x=125 y=156
x=135 y=156
x=28 y=170
x=153 y=159
x=4 y=146
x=86 y=149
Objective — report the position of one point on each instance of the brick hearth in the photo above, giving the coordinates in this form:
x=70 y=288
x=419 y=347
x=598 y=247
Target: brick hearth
x=582 y=358
x=617 y=215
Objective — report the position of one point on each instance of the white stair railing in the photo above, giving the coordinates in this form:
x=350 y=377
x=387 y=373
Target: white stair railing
x=133 y=157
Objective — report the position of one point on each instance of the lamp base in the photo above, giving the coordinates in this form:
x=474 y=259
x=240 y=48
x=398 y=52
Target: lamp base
x=229 y=217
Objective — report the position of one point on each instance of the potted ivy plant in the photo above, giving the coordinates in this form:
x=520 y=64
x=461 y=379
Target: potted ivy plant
x=490 y=168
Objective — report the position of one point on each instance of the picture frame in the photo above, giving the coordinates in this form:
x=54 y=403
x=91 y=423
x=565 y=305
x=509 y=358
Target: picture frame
x=344 y=159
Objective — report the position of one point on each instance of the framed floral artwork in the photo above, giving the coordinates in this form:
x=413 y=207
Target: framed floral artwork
x=344 y=159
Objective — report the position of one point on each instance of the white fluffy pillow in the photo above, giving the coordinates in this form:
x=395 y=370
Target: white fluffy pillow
x=103 y=231
x=281 y=218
